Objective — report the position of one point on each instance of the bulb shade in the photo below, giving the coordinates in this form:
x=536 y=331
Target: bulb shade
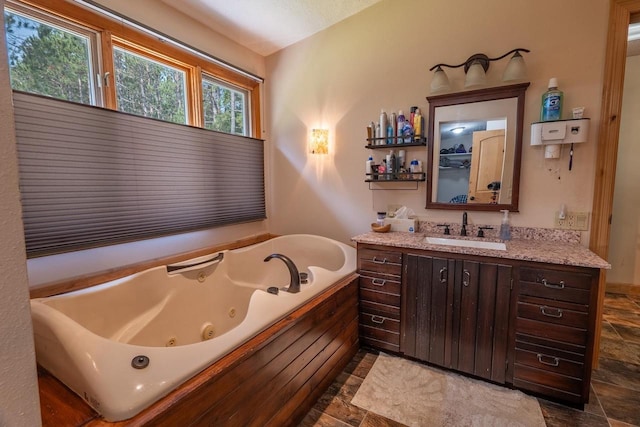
x=516 y=69
x=440 y=81
x=475 y=75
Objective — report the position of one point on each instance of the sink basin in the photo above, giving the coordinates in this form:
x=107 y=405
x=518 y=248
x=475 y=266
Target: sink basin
x=479 y=244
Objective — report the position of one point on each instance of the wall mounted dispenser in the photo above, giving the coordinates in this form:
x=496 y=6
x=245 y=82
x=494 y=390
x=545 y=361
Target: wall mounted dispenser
x=553 y=134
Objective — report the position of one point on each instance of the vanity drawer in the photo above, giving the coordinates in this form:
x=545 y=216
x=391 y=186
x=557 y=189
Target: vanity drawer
x=558 y=285
x=375 y=320
x=381 y=335
x=548 y=383
x=561 y=333
x=552 y=311
x=379 y=297
x=550 y=359
x=385 y=262
x=380 y=283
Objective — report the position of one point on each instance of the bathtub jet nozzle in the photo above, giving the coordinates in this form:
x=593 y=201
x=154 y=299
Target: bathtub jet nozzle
x=294 y=285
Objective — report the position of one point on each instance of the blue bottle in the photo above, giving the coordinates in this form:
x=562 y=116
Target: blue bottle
x=551 y=102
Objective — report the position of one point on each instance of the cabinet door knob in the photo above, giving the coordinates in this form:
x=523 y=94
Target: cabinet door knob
x=551 y=361
x=443 y=275
x=551 y=311
x=466 y=277
x=553 y=285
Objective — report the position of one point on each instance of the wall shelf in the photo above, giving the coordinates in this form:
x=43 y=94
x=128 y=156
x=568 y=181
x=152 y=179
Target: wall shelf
x=416 y=142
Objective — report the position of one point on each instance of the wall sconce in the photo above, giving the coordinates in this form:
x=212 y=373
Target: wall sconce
x=475 y=69
x=319 y=143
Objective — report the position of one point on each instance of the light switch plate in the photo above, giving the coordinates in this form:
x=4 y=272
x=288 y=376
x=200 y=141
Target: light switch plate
x=573 y=221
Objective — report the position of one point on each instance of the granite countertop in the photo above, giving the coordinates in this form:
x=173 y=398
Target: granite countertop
x=546 y=251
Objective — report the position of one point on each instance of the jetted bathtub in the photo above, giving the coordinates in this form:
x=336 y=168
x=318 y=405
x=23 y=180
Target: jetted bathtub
x=124 y=344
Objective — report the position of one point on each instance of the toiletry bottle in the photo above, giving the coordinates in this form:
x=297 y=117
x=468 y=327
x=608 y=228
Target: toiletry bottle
x=394 y=123
x=401 y=120
x=391 y=164
x=383 y=125
x=505 y=227
x=378 y=135
x=400 y=160
x=412 y=117
x=390 y=134
x=551 y=102
x=417 y=125
x=382 y=170
x=369 y=167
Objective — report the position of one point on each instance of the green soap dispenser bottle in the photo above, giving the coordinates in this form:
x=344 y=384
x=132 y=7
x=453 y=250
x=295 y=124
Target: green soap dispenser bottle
x=505 y=227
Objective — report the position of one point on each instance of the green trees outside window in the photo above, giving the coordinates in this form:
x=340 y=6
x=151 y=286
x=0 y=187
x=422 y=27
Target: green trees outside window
x=149 y=88
x=224 y=108
x=48 y=60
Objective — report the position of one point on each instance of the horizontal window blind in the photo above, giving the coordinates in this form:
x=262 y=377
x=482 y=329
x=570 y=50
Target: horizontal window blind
x=91 y=176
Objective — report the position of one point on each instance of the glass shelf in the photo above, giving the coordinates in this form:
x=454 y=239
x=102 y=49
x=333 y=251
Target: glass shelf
x=455 y=154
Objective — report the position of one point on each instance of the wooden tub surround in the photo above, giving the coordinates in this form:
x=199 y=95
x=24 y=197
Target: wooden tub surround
x=273 y=379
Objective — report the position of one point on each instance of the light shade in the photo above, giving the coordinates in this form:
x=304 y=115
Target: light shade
x=516 y=69
x=476 y=75
x=440 y=81
x=319 y=143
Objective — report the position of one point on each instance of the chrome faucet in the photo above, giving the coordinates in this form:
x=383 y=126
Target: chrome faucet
x=294 y=285
x=463 y=230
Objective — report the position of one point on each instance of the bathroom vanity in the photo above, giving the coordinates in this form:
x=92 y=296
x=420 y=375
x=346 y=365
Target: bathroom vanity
x=524 y=316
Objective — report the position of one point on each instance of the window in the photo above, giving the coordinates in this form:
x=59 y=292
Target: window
x=94 y=176
x=224 y=107
x=89 y=55
x=149 y=88
x=53 y=58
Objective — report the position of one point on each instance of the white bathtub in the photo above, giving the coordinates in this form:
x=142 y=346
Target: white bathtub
x=91 y=339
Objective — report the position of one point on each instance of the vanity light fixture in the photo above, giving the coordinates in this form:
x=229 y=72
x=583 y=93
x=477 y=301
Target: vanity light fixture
x=475 y=68
x=319 y=143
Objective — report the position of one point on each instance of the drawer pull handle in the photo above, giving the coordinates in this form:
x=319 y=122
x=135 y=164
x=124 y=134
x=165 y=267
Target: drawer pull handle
x=443 y=275
x=375 y=260
x=551 y=361
x=377 y=319
x=551 y=312
x=466 y=278
x=553 y=285
x=378 y=282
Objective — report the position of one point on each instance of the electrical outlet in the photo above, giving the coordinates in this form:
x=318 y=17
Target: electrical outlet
x=573 y=221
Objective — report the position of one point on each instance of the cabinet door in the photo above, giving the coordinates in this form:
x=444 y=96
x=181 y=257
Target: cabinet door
x=428 y=308
x=482 y=293
x=456 y=314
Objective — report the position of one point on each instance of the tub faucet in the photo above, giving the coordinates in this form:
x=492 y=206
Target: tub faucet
x=294 y=286
x=463 y=230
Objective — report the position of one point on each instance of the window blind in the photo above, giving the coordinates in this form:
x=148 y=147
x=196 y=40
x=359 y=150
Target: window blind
x=91 y=176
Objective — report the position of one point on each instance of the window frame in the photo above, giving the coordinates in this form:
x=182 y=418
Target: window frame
x=63 y=24
x=112 y=33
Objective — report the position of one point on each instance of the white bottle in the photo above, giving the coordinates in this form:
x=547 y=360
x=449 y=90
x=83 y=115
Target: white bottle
x=384 y=123
x=369 y=167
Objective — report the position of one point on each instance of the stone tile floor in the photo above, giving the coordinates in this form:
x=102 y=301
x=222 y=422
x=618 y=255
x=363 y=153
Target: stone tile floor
x=615 y=385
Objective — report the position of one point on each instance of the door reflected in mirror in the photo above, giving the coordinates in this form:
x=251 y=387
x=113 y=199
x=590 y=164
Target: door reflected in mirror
x=475 y=148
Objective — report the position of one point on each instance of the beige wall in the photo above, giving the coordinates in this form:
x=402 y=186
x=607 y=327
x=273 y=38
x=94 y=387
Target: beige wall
x=19 y=404
x=624 y=252
x=340 y=79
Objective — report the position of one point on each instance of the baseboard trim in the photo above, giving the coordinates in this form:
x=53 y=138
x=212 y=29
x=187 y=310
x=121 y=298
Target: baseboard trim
x=623 y=288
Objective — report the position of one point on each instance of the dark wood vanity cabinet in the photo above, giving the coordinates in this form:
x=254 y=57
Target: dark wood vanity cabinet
x=522 y=323
x=554 y=326
x=380 y=285
x=456 y=314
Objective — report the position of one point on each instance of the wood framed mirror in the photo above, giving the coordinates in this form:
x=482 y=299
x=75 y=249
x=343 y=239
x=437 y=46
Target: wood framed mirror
x=475 y=149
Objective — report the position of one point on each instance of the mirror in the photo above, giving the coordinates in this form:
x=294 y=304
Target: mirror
x=475 y=145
